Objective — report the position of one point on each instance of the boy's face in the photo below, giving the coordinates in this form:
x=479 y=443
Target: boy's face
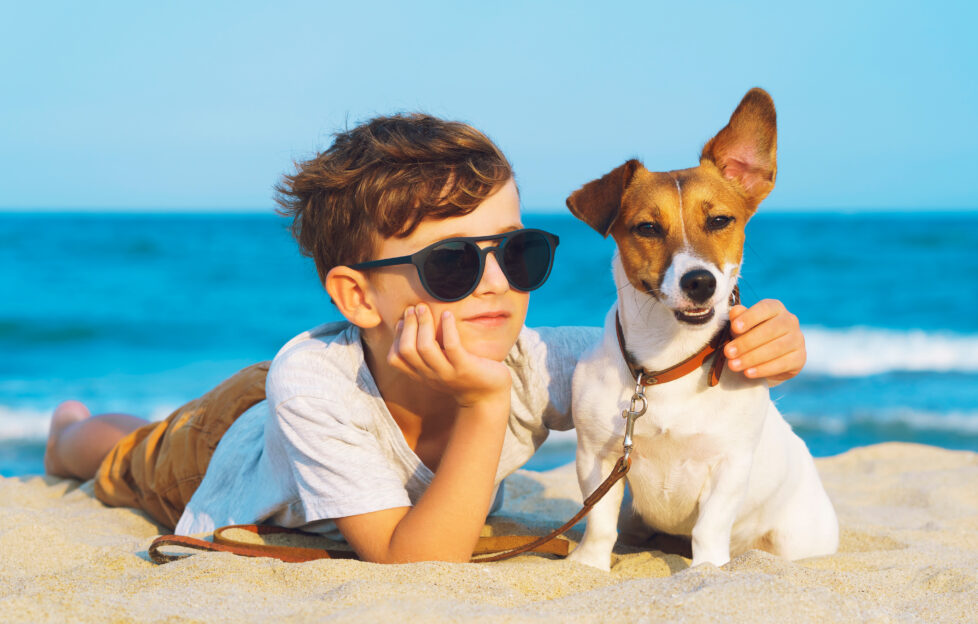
x=489 y=320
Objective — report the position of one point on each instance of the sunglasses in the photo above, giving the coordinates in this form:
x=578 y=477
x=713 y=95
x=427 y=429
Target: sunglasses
x=451 y=269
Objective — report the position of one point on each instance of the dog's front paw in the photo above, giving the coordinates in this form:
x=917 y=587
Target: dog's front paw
x=590 y=557
x=718 y=559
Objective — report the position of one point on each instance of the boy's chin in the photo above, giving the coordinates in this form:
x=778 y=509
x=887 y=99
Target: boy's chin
x=490 y=349
x=490 y=352
x=491 y=343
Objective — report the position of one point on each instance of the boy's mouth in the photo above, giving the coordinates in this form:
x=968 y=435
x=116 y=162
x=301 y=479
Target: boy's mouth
x=488 y=319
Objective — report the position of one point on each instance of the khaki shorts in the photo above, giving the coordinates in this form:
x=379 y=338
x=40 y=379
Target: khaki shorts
x=158 y=467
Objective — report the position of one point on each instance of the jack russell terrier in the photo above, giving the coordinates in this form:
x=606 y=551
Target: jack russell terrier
x=713 y=458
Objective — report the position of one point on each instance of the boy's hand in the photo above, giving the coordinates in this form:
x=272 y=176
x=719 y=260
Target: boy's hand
x=767 y=342
x=447 y=367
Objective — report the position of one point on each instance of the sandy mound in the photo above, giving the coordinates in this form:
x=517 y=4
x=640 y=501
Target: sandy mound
x=909 y=551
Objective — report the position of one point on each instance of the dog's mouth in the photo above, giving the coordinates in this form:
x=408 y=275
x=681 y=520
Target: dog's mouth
x=694 y=316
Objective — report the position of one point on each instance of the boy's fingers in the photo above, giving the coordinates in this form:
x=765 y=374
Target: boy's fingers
x=758 y=313
x=451 y=340
x=397 y=362
x=776 y=370
x=772 y=328
x=767 y=352
x=427 y=346
x=763 y=334
x=407 y=345
x=408 y=335
x=394 y=357
x=736 y=311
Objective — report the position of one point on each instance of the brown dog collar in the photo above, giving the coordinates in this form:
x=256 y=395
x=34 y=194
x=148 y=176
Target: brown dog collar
x=653 y=378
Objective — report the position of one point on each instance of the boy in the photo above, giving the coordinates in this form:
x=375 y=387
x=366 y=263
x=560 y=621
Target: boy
x=392 y=430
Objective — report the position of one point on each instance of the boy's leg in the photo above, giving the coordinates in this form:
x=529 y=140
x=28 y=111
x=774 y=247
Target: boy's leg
x=78 y=441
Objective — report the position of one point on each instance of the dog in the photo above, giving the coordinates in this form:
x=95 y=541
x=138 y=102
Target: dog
x=718 y=464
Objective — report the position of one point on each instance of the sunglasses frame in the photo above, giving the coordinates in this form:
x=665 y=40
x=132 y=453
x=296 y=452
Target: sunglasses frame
x=419 y=257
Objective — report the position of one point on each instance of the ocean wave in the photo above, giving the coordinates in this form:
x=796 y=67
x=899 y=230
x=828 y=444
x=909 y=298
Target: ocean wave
x=963 y=422
x=32 y=424
x=865 y=351
x=29 y=424
x=23 y=424
x=33 y=333
x=960 y=422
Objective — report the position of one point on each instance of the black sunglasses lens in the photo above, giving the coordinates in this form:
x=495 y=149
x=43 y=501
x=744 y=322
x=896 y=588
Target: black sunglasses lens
x=451 y=269
x=527 y=258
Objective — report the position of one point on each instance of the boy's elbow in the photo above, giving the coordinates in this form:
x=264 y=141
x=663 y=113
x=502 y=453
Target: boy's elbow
x=387 y=537
x=417 y=556
x=418 y=548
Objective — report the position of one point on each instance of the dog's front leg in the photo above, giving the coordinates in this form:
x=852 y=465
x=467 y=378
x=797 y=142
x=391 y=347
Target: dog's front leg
x=602 y=522
x=718 y=507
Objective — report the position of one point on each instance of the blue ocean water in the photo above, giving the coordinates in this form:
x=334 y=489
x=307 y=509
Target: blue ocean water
x=140 y=313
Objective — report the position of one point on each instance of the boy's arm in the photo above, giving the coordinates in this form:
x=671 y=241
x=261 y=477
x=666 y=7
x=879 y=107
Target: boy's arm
x=445 y=523
x=768 y=342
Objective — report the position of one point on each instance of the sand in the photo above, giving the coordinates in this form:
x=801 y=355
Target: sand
x=909 y=552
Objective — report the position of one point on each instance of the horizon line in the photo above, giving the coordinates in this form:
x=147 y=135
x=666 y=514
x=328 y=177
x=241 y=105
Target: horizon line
x=535 y=211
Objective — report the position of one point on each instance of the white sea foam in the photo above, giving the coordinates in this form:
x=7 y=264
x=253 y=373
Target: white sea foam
x=850 y=352
x=31 y=424
x=23 y=424
x=863 y=351
x=957 y=421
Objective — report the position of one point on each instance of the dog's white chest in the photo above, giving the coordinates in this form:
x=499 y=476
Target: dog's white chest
x=668 y=474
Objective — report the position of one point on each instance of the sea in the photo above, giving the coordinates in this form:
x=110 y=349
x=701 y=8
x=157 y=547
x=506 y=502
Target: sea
x=140 y=313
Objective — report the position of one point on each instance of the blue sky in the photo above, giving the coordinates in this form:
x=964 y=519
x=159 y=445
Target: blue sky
x=203 y=105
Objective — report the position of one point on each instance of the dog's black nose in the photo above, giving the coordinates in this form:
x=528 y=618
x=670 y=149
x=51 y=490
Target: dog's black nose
x=699 y=285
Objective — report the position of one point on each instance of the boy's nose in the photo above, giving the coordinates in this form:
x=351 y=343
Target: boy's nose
x=493 y=279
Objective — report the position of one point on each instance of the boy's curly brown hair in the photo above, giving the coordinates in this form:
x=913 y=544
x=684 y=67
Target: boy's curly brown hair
x=383 y=178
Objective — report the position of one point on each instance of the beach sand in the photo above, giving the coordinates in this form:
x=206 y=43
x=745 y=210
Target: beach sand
x=909 y=552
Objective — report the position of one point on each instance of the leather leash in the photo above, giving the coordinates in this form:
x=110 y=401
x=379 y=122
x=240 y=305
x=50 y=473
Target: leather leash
x=619 y=471
x=295 y=554
x=222 y=543
x=488 y=549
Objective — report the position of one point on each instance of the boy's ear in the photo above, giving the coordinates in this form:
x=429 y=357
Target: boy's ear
x=350 y=292
x=598 y=203
x=745 y=151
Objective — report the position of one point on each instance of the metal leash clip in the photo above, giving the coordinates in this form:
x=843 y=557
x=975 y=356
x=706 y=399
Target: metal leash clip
x=638 y=406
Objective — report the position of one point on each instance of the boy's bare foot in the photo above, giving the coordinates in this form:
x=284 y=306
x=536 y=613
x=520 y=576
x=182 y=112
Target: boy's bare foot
x=65 y=415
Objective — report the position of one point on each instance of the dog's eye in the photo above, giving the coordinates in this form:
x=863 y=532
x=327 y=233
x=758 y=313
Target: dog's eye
x=648 y=230
x=718 y=223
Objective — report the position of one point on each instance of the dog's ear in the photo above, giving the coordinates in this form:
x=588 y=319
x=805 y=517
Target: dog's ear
x=598 y=203
x=745 y=150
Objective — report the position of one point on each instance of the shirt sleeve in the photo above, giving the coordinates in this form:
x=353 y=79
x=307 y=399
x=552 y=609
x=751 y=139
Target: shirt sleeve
x=323 y=434
x=556 y=353
x=337 y=465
